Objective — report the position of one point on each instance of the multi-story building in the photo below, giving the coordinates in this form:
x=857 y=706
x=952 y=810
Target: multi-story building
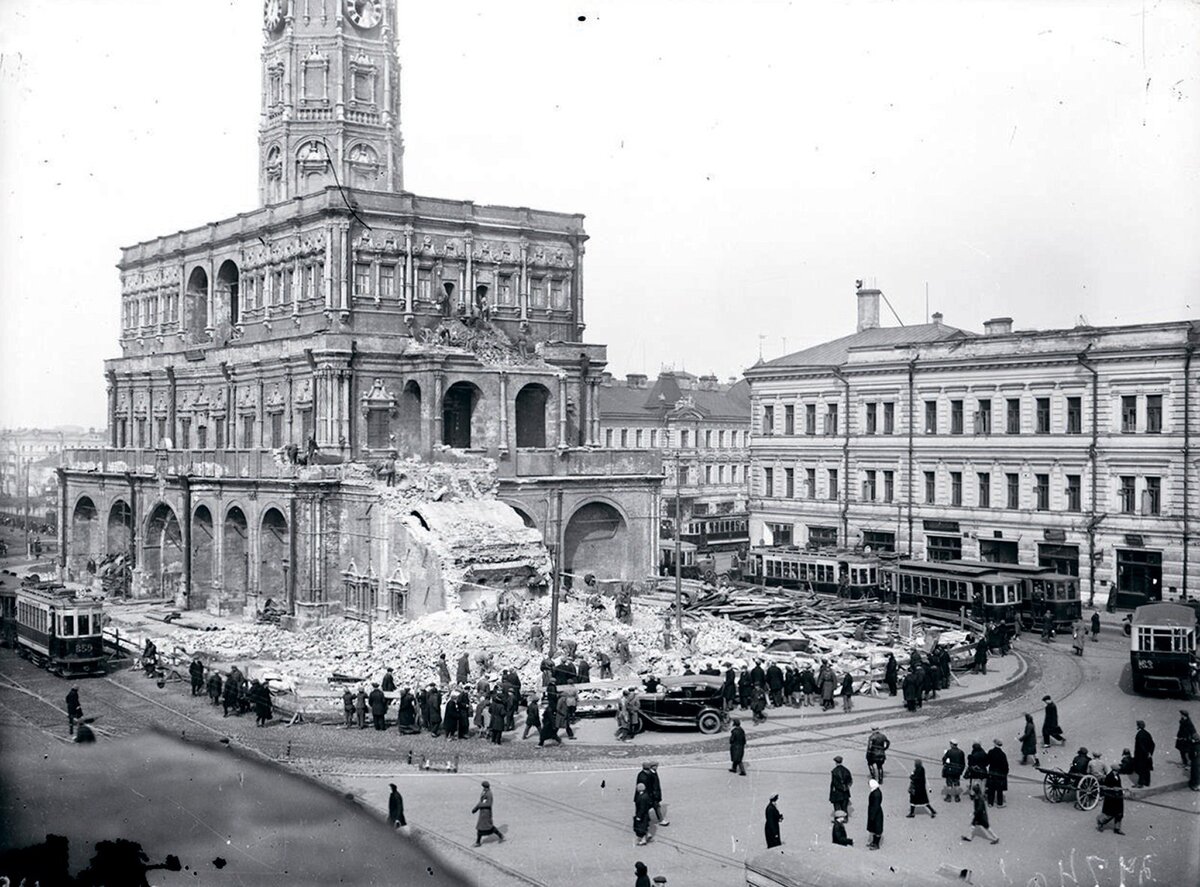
x=702 y=428
x=29 y=457
x=1070 y=448
x=347 y=320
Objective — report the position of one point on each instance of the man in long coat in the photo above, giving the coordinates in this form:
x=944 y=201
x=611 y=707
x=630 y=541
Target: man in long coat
x=875 y=815
x=74 y=709
x=729 y=691
x=464 y=669
x=745 y=689
x=997 y=778
x=737 y=748
x=758 y=677
x=443 y=670
x=828 y=685
x=450 y=716
x=484 y=825
x=911 y=690
x=433 y=709
x=360 y=707
x=1050 y=727
x=1113 y=809
x=891 y=672
x=395 y=807
x=642 y=806
x=774 y=676
x=1143 y=754
x=840 y=782
x=771 y=826
x=406 y=713
x=196 y=671
x=954 y=762
x=378 y=707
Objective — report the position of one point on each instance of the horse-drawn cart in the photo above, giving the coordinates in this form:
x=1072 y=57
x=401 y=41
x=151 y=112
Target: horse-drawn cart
x=1082 y=788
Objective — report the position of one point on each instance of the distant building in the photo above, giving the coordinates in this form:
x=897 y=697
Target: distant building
x=701 y=426
x=1073 y=448
x=28 y=459
x=346 y=320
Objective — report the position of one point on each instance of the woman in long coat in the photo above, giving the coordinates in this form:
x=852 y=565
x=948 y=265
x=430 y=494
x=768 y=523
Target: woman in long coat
x=977 y=766
x=875 y=815
x=979 y=817
x=483 y=824
x=827 y=686
x=1113 y=809
x=890 y=673
x=771 y=826
x=642 y=805
x=1028 y=739
x=406 y=713
x=433 y=710
x=918 y=791
x=450 y=717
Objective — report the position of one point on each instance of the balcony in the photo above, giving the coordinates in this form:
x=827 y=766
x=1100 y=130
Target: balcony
x=579 y=463
x=195 y=463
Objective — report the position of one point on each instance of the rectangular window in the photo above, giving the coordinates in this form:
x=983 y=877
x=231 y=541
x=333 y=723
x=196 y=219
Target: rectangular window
x=833 y=484
x=708 y=440
x=720 y=474
x=956 y=417
x=185 y=433
x=1041 y=491
x=684 y=437
x=1043 y=415
x=201 y=437
x=789 y=419
x=637 y=438
x=868 y=487
x=889 y=418
x=768 y=482
x=161 y=432
x=984 y=479
x=889 y=486
x=364 y=86
x=930 y=487
x=1074 y=492
x=1154 y=414
x=247 y=432
x=289 y=279
x=983 y=417
x=789 y=482
x=1152 y=497
x=708 y=474
x=831 y=418
x=314 y=81
x=1012 y=415
x=721 y=439
x=931 y=417
x=1012 y=486
x=558 y=294
x=505 y=295
x=768 y=422
x=810 y=483
x=810 y=418
x=1074 y=415
x=424 y=286
x=537 y=292
x=653 y=438
x=362 y=279
x=387 y=281
x=306 y=426
x=608 y=437
x=956 y=488
x=872 y=417
x=377 y=429
x=1129 y=414
x=122 y=433
x=624 y=438
x=1127 y=493
x=141 y=433
x=276 y=430
x=781 y=534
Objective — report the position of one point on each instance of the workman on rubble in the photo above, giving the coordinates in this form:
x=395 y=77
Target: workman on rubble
x=605 y=665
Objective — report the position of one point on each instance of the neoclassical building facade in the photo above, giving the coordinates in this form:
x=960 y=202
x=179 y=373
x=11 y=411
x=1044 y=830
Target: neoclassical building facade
x=346 y=320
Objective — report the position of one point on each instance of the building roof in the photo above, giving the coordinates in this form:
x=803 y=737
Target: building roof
x=837 y=351
x=728 y=402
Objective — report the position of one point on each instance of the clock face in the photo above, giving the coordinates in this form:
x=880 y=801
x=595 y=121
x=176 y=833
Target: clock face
x=365 y=14
x=273 y=14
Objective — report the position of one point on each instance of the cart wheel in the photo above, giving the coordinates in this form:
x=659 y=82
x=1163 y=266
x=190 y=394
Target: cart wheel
x=1087 y=792
x=1053 y=788
x=709 y=722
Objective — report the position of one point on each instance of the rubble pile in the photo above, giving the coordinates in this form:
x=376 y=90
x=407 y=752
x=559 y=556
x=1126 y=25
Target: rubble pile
x=490 y=345
x=417 y=481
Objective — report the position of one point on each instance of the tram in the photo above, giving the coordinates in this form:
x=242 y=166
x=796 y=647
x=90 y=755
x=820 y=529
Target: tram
x=58 y=630
x=1042 y=589
x=987 y=592
x=1162 y=646
x=845 y=573
x=8 y=613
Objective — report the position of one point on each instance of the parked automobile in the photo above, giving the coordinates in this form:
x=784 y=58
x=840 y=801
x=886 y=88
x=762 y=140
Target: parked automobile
x=687 y=701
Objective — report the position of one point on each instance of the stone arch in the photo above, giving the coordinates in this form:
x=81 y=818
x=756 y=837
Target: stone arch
x=162 y=551
x=525 y=516
x=228 y=286
x=460 y=428
x=274 y=173
x=204 y=554
x=273 y=553
x=119 y=535
x=597 y=540
x=409 y=438
x=196 y=303
x=85 y=536
x=530 y=412
x=235 y=555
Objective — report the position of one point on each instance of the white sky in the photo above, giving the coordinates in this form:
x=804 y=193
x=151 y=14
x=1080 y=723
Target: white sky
x=740 y=163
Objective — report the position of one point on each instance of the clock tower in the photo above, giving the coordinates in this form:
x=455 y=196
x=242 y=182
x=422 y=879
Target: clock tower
x=330 y=98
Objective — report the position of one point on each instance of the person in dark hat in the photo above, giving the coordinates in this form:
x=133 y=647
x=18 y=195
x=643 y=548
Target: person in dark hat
x=74 y=709
x=737 y=748
x=997 y=778
x=484 y=825
x=1113 y=809
x=840 y=782
x=771 y=826
x=1143 y=754
x=1028 y=739
x=378 y=703
x=918 y=791
x=642 y=873
x=1050 y=726
x=395 y=807
x=954 y=762
x=840 y=837
x=1185 y=738
x=1082 y=761
x=389 y=682
x=642 y=806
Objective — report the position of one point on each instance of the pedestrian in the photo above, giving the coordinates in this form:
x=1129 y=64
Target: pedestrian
x=758 y=707
x=643 y=875
x=808 y=686
x=997 y=778
x=532 y=721
x=1047 y=627
x=406 y=713
x=847 y=692
x=562 y=711
x=497 y=715
x=840 y=838
x=1050 y=726
x=729 y=689
x=74 y=710
x=1185 y=739
x=979 y=665
x=378 y=704
x=737 y=748
x=433 y=709
x=1028 y=739
x=771 y=826
x=774 y=676
x=196 y=671
x=840 y=782
x=1143 y=754
x=648 y=776
x=875 y=815
x=395 y=807
x=214 y=687
x=463 y=669
x=360 y=707
x=388 y=685
x=1077 y=635
x=979 y=818
x=550 y=721
x=918 y=791
x=954 y=763
x=745 y=689
x=1113 y=808
x=484 y=825
x=890 y=673
x=229 y=696
x=877 y=746
x=1095 y=625
x=827 y=682
x=443 y=670
x=605 y=665
x=464 y=715
x=641 y=814
x=977 y=766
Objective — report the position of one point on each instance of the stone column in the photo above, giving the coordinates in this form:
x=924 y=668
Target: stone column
x=172 y=400
x=523 y=295
x=469 y=277
x=439 y=383
x=110 y=379
x=505 y=444
x=562 y=410
x=594 y=405
x=408 y=270
x=328 y=275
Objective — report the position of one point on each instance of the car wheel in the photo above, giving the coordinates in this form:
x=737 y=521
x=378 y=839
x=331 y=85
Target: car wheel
x=709 y=722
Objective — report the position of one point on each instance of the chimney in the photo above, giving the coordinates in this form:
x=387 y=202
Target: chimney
x=635 y=380
x=937 y=318
x=997 y=326
x=708 y=383
x=606 y=379
x=868 y=308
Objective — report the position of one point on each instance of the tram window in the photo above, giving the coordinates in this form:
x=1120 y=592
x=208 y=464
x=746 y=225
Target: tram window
x=68 y=625
x=793 y=571
x=962 y=591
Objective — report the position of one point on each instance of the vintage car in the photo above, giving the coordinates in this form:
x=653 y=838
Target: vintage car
x=690 y=701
